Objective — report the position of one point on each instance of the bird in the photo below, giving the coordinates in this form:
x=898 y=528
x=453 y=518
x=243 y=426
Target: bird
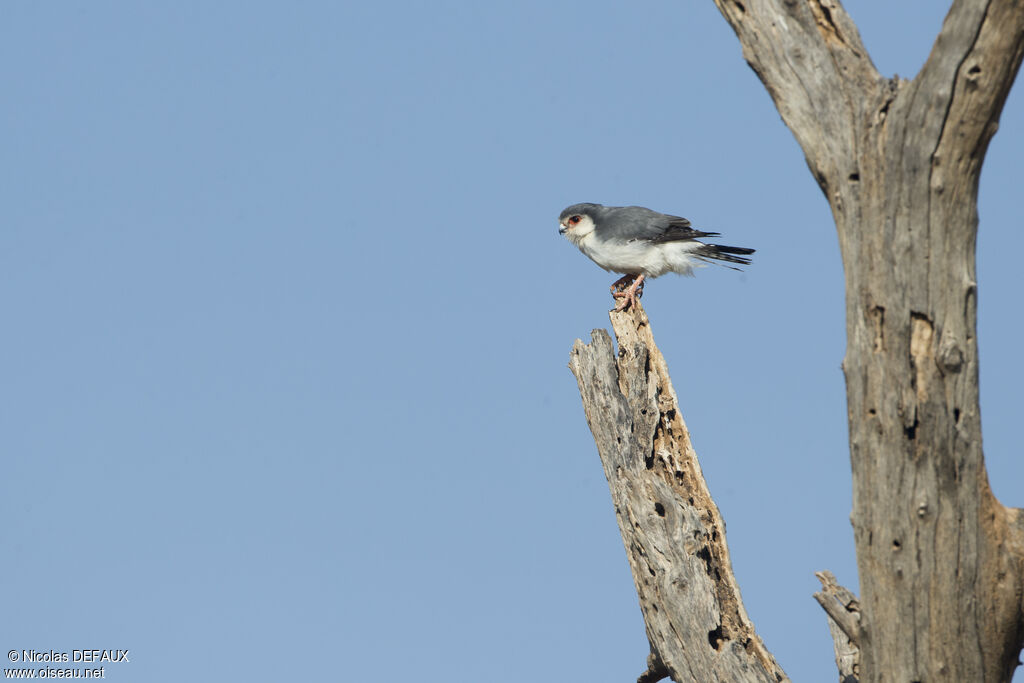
x=642 y=244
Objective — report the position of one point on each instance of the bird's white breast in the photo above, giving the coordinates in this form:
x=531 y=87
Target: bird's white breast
x=640 y=256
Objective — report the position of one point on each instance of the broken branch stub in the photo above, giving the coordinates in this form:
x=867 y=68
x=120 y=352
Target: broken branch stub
x=672 y=530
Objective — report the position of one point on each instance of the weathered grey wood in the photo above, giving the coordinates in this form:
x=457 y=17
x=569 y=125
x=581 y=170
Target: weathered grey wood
x=843 y=611
x=672 y=530
x=656 y=670
x=941 y=561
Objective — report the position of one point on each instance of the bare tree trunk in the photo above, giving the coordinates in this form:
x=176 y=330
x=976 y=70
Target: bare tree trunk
x=940 y=560
x=673 y=532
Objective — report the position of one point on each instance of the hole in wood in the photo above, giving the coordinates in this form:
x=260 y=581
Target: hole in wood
x=896 y=545
x=716 y=637
x=660 y=509
x=705 y=555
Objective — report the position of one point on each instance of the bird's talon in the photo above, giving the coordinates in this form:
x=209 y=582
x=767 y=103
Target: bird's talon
x=629 y=296
x=621 y=284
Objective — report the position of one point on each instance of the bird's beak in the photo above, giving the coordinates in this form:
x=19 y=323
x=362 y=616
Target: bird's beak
x=562 y=228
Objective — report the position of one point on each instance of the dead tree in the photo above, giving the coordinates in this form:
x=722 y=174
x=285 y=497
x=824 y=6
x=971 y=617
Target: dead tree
x=940 y=560
x=673 y=532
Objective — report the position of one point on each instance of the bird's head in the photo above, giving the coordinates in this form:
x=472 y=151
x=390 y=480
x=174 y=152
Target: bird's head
x=577 y=221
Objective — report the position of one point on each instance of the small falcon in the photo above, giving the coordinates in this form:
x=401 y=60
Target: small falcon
x=642 y=244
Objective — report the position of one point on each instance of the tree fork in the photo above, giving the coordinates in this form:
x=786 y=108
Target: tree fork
x=940 y=560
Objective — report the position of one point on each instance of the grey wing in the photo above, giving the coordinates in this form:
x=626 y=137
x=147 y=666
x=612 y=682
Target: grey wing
x=678 y=229
x=639 y=223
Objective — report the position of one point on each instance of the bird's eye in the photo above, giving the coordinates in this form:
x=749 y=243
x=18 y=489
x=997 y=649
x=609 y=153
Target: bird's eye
x=574 y=220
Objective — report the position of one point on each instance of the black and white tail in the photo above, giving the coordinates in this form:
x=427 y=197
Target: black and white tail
x=710 y=253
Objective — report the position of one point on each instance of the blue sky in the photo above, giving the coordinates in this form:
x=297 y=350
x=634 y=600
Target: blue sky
x=287 y=321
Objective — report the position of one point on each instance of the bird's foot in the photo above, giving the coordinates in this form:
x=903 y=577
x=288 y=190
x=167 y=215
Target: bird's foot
x=626 y=302
x=630 y=296
x=619 y=285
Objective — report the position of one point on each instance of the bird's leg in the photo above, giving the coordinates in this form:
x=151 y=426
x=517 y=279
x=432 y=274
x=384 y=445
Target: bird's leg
x=630 y=296
x=621 y=283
